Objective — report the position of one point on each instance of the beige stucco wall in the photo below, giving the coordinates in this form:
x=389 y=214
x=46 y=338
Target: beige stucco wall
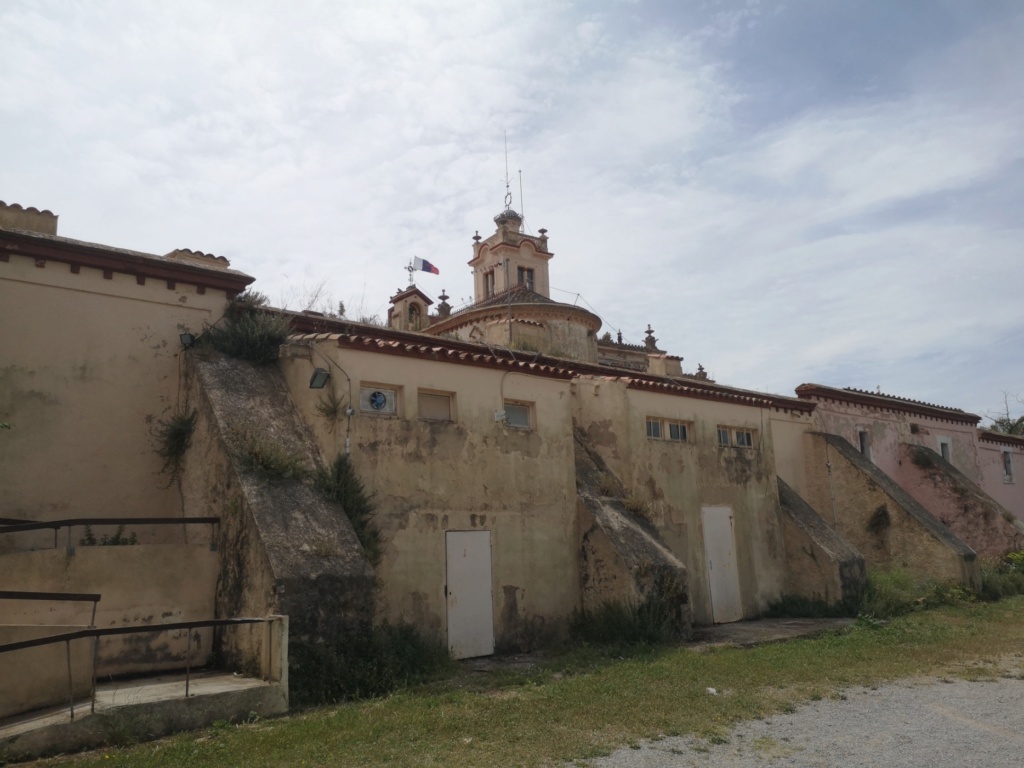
x=678 y=479
x=140 y=586
x=38 y=677
x=469 y=474
x=87 y=367
x=874 y=515
x=788 y=430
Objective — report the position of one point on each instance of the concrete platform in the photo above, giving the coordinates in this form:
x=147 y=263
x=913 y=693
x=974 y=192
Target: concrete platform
x=141 y=709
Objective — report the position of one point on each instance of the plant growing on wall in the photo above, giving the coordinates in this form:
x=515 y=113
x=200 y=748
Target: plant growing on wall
x=340 y=484
x=262 y=455
x=330 y=406
x=174 y=436
x=250 y=330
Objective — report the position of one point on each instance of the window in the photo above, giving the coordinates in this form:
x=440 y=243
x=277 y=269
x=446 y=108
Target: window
x=518 y=415
x=944 y=448
x=740 y=438
x=677 y=431
x=526 y=277
x=864 y=443
x=435 y=406
x=380 y=400
x=1007 y=467
x=488 y=284
x=665 y=429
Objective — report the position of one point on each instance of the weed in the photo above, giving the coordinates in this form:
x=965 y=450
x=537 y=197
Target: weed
x=654 y=621
x=250 y=332
x=637 y=506
x=922 y=458
x=792 y=606
x=117 y=540
x=173 y=436
x=1002 y=579
x=261 y=455
x=330 y=406
x=608 y=486
x=358 y=662
x=340 y=484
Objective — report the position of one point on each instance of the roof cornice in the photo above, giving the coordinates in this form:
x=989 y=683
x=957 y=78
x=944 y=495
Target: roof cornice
x=991 y=436
x=886 y=402
x=109 y=260
x=368 y=338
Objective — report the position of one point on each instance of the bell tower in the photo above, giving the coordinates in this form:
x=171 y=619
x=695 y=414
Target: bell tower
x=510 y=259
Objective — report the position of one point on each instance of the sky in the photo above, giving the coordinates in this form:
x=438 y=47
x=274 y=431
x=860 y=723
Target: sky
x=826 y=191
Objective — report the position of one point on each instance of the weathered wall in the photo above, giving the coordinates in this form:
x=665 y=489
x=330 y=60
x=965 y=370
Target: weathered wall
x=820 y=563
x=284 y=548
x=140 y=586
x=963 y=507
x=471 y=473
x=38 y=677
x=1007 y=491
x=889 y=428
x=678 y=479
x=623 y=560
x=881 y=520
x=87 y=366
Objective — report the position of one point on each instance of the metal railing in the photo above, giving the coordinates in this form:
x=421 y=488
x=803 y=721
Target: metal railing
x=97 y=633
x=71 y=597
x=71 y=523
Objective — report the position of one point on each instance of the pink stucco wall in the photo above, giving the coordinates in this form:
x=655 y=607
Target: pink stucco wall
x=1007 y=491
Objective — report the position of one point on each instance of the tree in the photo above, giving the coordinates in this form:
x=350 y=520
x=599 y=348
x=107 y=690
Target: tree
x=1003 y=419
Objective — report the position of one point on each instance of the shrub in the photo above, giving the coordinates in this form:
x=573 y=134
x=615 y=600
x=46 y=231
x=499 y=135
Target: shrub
x=1002 y=579
x=655 y=621
x=795 y=606
x=340 y=484
x=250 y=332
x=174 y=436
x=361 y=662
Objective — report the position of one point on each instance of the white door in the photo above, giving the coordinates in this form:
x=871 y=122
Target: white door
x=470 y=611
x=723 y=574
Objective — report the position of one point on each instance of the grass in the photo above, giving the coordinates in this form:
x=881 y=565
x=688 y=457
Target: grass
x=582 y=704
x=262 y=455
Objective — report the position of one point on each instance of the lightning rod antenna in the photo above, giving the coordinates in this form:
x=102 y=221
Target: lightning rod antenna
x=508 y=193
x=522 y=205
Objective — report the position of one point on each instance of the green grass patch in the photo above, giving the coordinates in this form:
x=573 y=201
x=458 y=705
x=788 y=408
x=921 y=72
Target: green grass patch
x=260 y=454
x=248 y=330
x=580 y=705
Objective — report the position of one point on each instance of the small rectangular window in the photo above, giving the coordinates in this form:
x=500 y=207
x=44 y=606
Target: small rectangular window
x=517 y=415
x=434 y=406
x=677 y=431
x=944 y=448
x=744 y=439
x=864 y=443
x=723 y=436
x=654 y=429
x=1007 y=466
x=526 y=277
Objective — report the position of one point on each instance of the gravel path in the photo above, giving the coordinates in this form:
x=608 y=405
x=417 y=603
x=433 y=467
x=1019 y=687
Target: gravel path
x=918 y=723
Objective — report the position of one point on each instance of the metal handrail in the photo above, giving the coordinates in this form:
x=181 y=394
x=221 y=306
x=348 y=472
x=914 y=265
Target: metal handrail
x=7 y=594
x=70 y=523
x=97 y=633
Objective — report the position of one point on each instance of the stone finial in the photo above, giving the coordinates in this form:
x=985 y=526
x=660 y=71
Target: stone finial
x=618 y=336
x=649 y=341
x=701 y=373
x=477 y=237
x=444 y=309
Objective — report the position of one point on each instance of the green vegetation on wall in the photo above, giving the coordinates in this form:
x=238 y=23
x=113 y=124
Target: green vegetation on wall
x=340 y=484
x=249 y=331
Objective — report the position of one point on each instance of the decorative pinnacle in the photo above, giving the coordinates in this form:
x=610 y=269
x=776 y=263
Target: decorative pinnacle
x=477 y=236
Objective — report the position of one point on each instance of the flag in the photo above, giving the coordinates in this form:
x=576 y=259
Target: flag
x=425 y=266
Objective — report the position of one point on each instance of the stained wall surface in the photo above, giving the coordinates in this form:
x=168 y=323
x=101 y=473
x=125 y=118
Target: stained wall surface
x=471 y=472
x=89 y=364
